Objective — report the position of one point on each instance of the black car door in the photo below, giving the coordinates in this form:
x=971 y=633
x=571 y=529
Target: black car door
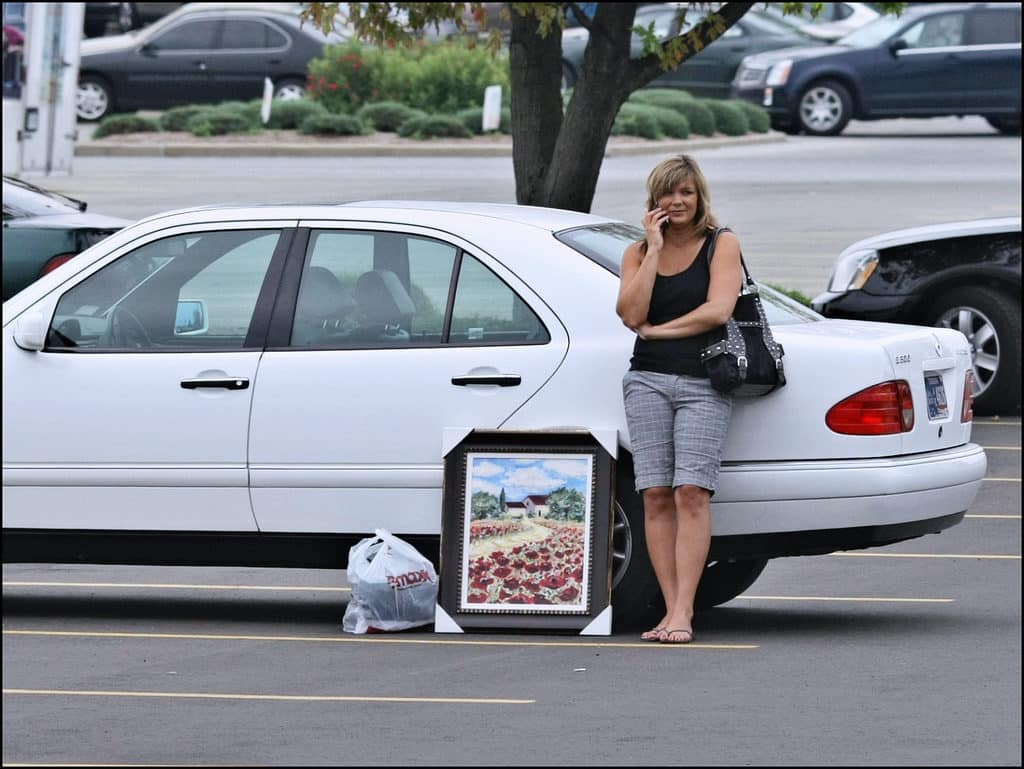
x=991 y=60
x=921 y=74
x=171 y=68
x=250 y=50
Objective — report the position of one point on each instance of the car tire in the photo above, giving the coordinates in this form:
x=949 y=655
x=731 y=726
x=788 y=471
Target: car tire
x=824 y=108
x=1005 y=125
x=636 y=596
x=991 y=322
x=289 y=89
x=94 y=98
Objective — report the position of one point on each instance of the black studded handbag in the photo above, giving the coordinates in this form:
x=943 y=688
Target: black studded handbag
x=742 y=357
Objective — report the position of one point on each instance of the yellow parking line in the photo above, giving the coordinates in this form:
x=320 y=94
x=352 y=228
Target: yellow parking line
x=1010 y=422
x=851 y=599
x=1001 y=448
x=273 y=697
x=375 y=639
x=984 y=515
x=1005 y=480
x=173 y=586
x=928 y=555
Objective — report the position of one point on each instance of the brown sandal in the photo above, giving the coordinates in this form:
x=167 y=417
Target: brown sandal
x=654 y=634
x=667 y=633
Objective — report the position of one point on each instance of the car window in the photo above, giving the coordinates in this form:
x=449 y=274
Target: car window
x=939 y=31
x=190 y=36
x=249 y=34
x=873 y=33
x=196 y=291
x=991 y=26
x=361 y=288
x=606 y=243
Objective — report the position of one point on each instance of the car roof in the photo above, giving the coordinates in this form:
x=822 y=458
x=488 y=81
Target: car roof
x=551 y=219
x=937 y=232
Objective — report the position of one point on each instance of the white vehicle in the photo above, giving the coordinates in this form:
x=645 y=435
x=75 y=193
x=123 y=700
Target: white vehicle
x=267 y=385
x=832 y=22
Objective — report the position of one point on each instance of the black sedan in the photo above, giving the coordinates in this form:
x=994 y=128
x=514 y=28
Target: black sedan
x=962 y=275
x=42 y=230
x=706 y=74
x=931 y=61
x=200 y=53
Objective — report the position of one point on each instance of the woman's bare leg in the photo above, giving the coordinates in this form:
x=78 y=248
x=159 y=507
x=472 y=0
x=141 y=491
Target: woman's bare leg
x=660 y=528
x=693 y=540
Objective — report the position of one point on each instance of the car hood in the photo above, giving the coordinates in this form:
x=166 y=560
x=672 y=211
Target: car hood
x=797 y=53
x=70 y=221
x=937 y=232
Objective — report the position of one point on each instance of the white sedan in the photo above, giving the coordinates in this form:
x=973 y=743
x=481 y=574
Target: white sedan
x=267 y=385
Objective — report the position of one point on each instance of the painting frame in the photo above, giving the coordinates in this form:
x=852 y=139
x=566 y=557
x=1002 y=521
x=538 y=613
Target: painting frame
x=538 y=556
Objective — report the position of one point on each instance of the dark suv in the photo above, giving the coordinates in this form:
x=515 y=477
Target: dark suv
x=931 y=61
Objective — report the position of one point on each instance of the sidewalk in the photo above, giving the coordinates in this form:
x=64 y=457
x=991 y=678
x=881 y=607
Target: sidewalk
x=294 y=144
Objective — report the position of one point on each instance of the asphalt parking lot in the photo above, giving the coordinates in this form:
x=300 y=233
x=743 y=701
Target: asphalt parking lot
x=903 y=655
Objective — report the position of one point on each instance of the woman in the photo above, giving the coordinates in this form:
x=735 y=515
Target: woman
x=673 y=291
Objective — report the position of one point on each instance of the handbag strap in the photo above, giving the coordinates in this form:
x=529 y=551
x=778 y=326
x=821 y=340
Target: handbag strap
x=751 y=286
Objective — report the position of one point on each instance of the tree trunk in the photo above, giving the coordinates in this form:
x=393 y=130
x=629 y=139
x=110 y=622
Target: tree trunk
x=535 y=67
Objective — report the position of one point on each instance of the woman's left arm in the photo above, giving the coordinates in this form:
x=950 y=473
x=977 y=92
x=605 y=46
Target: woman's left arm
x=723 y=288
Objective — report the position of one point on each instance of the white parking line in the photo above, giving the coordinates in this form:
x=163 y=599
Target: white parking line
x=928 y=555
x=985 y=515
x=374 y=639
x=173 y=586
x=273 y=697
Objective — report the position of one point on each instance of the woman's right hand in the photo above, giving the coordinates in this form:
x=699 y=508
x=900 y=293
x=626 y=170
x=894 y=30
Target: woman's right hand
x=653 y=221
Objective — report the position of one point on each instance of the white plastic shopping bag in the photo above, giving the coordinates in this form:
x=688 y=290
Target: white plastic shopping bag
x=394 y=587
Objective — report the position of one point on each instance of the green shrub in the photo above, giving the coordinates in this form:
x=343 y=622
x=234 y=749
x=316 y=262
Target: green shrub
x=387 y=115
x=757 y=116
x=124 y=124
x=473 y=119
x=326 y=124
x=217 y=122
x=437 y=77
x=671 y=123
x=431 y=126
x=290 y=114
x=176 y=118
x=729 y=119
x=636 y=120
x=673 y=98
x=700 y=117
x=250 y=110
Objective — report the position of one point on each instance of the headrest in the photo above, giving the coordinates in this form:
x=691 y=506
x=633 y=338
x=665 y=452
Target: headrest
x=323 y=296
x=382 y=297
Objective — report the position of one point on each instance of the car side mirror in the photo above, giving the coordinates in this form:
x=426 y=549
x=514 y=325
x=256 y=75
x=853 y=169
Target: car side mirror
x=898 y=45
x=30 y=331
x=190 y=318
x=149 y=49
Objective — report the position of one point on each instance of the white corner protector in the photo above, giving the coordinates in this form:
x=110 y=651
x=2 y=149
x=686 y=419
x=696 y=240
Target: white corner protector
x=609 y=440
x=452 y=437
x=443 y=623
x=601 y=624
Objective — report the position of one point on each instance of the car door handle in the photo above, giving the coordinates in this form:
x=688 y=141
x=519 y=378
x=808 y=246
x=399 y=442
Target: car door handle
x=238 y=383
x=200 y=65
x=502 y=380
x=274 y=61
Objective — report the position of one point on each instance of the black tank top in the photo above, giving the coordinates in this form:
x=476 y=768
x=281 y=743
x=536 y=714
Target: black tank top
x=672 y=296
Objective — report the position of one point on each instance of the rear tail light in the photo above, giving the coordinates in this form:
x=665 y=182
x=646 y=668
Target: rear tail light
x=54 y=262
x=884 y=409
x=967 y=408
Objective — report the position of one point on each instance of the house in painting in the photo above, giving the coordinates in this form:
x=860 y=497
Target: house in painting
x=515 y=509
x=536 y=505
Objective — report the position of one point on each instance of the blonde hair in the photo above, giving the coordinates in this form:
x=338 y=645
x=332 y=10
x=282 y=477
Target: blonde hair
x=669 y=174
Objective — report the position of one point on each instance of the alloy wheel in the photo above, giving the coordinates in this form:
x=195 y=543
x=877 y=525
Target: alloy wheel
x=91 y=101
x=821 y=109
x=981 y=333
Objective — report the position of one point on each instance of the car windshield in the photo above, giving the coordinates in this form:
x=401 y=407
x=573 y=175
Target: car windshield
x=873 y=33
x=24 y=199
x=605 y=244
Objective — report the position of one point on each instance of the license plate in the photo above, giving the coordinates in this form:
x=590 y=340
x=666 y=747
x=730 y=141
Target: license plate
x=936 y=394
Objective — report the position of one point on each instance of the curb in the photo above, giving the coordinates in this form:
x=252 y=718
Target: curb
x=428 y=148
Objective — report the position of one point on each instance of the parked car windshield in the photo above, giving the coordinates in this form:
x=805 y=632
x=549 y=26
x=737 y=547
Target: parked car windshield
x=872 y=34
x=605 y=244
x=24 y=199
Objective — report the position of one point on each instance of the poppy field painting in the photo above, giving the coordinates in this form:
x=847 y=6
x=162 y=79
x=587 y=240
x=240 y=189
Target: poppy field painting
x=526 y=530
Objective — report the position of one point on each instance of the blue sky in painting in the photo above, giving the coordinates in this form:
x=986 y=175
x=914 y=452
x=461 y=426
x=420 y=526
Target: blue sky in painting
x=524 y=475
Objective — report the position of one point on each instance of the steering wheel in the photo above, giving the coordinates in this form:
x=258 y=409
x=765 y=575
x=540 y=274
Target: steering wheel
x=124 y=329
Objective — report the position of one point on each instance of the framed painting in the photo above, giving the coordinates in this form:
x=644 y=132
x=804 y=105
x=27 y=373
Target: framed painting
x=526 y=531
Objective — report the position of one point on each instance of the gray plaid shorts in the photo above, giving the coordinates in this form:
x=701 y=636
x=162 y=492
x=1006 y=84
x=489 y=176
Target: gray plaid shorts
x=677 y=427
